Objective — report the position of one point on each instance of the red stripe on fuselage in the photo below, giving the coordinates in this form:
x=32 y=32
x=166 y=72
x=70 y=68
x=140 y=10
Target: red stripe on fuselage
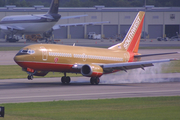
x=48 y=67
x=53 y=67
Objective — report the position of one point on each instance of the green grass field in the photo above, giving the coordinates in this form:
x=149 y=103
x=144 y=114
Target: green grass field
x=15 y=72
x=154 y=108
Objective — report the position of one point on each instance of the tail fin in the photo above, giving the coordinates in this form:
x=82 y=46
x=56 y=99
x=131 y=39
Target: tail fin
x=54 y=7
x=132 y=39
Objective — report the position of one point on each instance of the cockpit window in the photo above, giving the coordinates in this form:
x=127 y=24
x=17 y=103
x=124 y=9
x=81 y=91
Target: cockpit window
x=30 y=51
x=26 y=51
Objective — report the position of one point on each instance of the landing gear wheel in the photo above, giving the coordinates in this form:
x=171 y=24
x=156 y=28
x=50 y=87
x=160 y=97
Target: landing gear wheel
x=97 y=81
x=68 y=80
x=65 y=80
x=94 y=80
x=30 y=77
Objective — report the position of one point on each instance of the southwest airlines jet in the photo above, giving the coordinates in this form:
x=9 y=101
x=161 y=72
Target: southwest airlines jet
x=39 y=59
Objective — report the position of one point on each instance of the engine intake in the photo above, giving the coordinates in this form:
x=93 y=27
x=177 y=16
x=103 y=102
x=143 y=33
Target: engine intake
x=91 y=70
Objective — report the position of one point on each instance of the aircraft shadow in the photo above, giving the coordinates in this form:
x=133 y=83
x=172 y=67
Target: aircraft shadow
x=14 y=85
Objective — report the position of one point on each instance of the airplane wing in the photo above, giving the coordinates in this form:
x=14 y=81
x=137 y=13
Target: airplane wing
x=3 y=27
x=107 y=68
x=133 y=65
x=76 y=16
x=75 y=24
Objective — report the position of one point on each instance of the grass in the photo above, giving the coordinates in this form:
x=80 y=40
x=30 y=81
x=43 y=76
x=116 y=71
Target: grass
x=152 y=108
x=15 y=72
x=173 y=67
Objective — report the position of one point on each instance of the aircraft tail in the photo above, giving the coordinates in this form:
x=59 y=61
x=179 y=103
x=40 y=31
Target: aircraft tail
x=54 y=7
x=132 y=38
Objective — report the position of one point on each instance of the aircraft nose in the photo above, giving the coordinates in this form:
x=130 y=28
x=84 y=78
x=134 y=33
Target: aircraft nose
x=18 y=58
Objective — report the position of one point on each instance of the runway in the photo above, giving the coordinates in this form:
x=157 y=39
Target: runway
x=136 y=83
x=51 y=89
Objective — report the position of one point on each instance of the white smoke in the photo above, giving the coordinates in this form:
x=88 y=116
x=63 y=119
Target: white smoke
x=150 y=74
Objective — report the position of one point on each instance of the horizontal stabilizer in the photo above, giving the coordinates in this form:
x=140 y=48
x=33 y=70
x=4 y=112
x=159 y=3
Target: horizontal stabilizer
x=147 y=55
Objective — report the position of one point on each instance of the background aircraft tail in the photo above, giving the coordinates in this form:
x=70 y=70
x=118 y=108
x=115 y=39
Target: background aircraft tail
x=54 y=7
x=132 y=38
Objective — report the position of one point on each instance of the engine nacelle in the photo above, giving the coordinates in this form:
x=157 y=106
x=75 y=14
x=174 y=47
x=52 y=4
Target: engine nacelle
x=92 y=70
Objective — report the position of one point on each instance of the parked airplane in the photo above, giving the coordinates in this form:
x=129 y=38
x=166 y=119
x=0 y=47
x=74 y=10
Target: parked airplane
x=91 y=62
x=14 y=26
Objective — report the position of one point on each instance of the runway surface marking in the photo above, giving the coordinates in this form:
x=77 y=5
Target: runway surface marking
x=88 y=94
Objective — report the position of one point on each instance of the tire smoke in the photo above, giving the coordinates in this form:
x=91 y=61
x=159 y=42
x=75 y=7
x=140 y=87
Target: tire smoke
x=149 y=75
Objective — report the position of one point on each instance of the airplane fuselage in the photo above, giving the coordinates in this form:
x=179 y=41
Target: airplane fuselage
x=61 y=58
x=29 y=24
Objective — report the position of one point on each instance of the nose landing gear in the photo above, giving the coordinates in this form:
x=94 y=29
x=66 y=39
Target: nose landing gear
x=30 y=77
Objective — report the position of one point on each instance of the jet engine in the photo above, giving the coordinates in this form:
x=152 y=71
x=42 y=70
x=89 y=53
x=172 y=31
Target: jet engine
x=91 y=70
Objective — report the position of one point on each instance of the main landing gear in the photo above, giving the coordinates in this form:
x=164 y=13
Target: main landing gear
x=94 y=80
x=65 y=79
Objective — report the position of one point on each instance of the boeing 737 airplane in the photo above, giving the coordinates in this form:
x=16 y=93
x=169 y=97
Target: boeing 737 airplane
x=36 y=24
x=91 y=62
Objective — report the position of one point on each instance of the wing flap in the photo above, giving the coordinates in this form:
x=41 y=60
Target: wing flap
x=133 y=66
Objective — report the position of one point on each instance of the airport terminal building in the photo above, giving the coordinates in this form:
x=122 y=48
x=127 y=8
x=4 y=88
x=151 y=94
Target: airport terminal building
x=159 y=21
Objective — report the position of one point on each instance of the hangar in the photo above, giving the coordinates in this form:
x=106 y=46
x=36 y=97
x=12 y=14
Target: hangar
x=159 y=21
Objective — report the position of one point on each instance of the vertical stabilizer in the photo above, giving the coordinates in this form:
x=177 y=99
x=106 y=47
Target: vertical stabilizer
x=54 y=7
x=132 y=38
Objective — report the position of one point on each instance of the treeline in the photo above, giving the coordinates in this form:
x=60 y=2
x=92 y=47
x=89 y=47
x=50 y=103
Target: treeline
x=91 y=3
